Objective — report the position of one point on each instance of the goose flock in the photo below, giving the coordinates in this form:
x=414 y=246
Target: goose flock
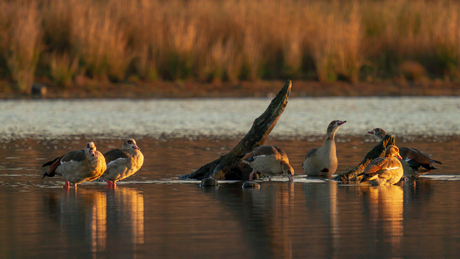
x=78 y=166
x=322 y=162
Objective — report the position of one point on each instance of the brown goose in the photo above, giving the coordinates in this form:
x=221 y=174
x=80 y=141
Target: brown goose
x=269 y=160
x=78 y=166
x=415 y=158
x=122 y=163
x=323 y=161
x=385 y=170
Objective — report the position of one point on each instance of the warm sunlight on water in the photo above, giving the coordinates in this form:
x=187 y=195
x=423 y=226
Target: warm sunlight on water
x=144 y=219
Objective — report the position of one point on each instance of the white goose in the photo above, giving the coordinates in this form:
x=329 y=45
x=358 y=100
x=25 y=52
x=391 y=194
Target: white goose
x=269 y=160
x=323 y=161
x=78 y=166
x=122 y=163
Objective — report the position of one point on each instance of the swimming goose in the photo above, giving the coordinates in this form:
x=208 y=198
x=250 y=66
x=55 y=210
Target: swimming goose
x=122 y=163
x=323 y=161
x=415 y=158
x=78 y=166
x=385 y=170
x=269 y=160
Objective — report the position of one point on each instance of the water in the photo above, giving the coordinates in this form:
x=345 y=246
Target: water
x=53 y=119
x=153 y=215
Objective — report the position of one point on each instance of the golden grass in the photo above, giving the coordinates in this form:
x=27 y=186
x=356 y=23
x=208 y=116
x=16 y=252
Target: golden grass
x=20 y=37
x=232 y=40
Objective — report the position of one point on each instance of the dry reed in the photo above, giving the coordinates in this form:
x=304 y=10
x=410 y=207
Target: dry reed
x=232 y=40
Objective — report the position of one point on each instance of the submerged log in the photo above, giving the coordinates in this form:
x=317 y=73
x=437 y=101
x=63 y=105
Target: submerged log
x=230 y=166
x=352 y=174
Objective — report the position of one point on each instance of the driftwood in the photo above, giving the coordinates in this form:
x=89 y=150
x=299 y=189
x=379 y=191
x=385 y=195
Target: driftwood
x=352 y=174
x=229 y=166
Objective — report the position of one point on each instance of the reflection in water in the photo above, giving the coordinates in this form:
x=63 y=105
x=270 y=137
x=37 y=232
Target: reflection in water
x=284 y=205
x=271 y=208
x=385 y=208
x=316 y=220
x=99 y=220
x=333 y=215
x=126 y=208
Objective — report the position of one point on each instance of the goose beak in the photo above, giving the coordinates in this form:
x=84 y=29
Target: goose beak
x=135 y=146
x=371 y=132
x=399 y=156
x=341 y=122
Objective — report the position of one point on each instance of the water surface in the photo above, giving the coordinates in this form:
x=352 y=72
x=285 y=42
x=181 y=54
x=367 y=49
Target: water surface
x=153 y=215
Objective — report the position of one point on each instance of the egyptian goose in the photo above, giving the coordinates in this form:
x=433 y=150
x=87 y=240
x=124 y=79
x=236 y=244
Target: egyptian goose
x=122 y=163
x=412 y=156
x=78 y=166
x=323 y=161
x=269 y=160
x=385 y=170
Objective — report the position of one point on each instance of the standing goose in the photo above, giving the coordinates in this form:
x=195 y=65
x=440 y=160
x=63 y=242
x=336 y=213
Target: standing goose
x=323 y=161
x=412 y=156
x=122 y=163
x=78 y=166
x=385 y=170
x=269 y=160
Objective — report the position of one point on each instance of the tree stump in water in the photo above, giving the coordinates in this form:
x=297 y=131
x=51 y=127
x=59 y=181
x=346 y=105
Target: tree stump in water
x=230 y=166
x=378 y=151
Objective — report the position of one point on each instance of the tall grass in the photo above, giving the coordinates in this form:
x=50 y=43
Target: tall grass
x=20 y=37
x=232 y=40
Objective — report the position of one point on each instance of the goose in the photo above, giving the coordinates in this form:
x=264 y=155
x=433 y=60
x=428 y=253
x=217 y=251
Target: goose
x=122 y=163
x=323 y=161
x=78 y=166
x=269 y=160
x=417 y=160
x=385 y=170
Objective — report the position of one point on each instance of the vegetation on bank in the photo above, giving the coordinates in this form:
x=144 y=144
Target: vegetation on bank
x=70 y=41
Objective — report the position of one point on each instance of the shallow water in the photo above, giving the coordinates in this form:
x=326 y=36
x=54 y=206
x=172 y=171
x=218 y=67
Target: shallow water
x=153 y=215
x=52 y=119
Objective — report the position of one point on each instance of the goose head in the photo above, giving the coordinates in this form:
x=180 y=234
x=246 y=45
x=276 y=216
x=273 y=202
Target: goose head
x=333 y=127
x=378 y=132
x=90 y=148
x=130 y=144
x=392 y=151
x=287 y=170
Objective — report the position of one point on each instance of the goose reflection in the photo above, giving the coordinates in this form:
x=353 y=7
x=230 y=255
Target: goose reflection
x=272 y=208
x=99 y=221
x=384 y=204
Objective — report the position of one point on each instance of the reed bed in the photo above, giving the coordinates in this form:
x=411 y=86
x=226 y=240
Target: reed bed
x=231 y=40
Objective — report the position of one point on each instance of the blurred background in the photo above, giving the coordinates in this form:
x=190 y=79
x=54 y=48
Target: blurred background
x=92 y=45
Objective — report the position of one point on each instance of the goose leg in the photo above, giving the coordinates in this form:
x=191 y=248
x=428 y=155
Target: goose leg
x=251 y=175
x=66 y=185
x=111 y=184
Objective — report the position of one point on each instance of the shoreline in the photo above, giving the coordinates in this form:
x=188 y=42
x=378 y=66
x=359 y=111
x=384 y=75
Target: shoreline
x=192 y=89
